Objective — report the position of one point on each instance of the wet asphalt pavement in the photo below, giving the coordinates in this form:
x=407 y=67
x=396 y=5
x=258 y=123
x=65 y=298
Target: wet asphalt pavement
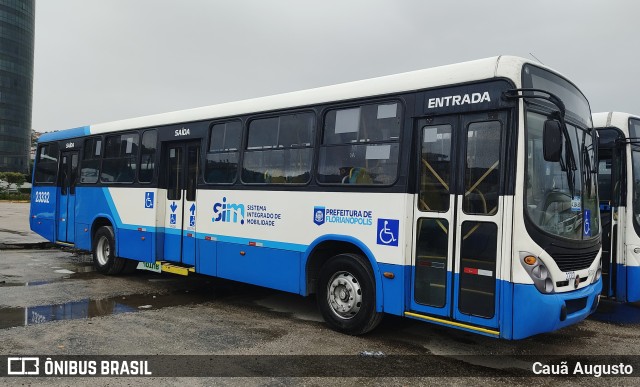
x=53 y=303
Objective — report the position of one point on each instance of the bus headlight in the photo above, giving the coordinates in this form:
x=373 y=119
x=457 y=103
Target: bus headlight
x=548 y=285
x=538 y=272
x=598 y=273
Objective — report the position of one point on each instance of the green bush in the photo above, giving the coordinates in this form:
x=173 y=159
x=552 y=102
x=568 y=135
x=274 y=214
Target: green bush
x=14 y=196
x=13 y=178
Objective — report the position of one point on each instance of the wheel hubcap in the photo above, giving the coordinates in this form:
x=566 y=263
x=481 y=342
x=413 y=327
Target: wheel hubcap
x=102 y=251
x=344 y=295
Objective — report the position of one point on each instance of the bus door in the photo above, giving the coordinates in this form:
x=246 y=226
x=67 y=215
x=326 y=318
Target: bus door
x=610 y=191
x=458 y=217
x=181 y=166
x=66 y=203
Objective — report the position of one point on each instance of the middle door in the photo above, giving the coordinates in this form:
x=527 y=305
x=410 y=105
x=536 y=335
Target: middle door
x=182 y=170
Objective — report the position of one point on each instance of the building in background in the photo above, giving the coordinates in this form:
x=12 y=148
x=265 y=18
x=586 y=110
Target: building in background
x=17 y=20
x=34 y=144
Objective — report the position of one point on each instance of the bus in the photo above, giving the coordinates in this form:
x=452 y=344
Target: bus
x=618 y=180
x=455 y=195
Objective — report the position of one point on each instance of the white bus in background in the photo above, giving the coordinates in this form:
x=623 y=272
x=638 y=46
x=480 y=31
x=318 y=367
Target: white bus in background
x=459 y=195
x=619 y=185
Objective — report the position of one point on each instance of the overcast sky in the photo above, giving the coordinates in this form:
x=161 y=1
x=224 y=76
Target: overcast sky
x=106 y=60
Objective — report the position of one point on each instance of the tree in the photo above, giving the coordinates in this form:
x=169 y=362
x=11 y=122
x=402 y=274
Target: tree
x=13 y=178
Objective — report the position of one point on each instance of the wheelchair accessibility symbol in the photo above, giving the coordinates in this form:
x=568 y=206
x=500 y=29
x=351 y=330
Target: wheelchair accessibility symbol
x=388 y=232
x=148 y=200
x=587 y=223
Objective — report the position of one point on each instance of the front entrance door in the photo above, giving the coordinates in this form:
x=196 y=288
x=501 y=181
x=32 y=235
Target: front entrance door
x=610 y=190
x=67 y=179
x=181 y=168
x=458 y=217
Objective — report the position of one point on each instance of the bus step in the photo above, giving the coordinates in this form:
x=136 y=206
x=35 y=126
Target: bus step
x=448 y=322
x=176 y=268
x=65 y=244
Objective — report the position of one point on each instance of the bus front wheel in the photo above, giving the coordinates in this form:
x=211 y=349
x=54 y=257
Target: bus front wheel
x=346 y=295
x=104 y=252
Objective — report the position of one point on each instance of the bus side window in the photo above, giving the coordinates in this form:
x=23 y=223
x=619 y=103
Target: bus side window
x=90 y=166
x=148 y=156
x=120 y=157
x=222 y=157
x=279 y=150
x=361 y=145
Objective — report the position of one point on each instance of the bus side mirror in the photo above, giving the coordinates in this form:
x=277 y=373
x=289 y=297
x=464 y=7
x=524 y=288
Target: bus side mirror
x=552 y=140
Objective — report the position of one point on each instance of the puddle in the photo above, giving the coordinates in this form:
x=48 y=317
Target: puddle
x=617 y=313
x=30 y=283
x=178 y=292
x=81 y=273
x=89 y=308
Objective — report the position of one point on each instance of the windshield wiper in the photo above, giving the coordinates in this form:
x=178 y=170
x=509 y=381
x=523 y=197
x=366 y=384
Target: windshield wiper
x=628 y=140
x=570 y=165
x=588 y=169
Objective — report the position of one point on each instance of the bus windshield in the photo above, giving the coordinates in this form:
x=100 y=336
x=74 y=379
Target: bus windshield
x=561 y=199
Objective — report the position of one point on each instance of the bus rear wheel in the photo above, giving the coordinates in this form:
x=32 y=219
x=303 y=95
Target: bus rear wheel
x=346 y=295
x=104 y=252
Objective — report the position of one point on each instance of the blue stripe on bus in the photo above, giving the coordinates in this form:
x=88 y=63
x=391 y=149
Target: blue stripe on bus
x=112 y=207
x=138 y=227
x=275 y=269
x=245 y=241
x=65 y=134
x=218 y=238
x=170 y=231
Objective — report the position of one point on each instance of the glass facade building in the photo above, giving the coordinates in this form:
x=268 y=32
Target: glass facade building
x=17 y=19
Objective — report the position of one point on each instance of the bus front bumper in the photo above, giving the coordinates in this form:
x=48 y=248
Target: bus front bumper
x=534 y=312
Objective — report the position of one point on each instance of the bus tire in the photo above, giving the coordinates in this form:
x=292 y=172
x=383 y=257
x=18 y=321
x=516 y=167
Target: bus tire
x=104 y=252
x=346 y=295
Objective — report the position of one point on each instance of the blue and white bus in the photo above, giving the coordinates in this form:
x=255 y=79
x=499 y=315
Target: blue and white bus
x=456 y=195
x=619 y=185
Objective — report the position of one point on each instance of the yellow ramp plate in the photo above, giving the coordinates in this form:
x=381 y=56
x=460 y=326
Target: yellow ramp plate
x=175 y=269
x=456 y=324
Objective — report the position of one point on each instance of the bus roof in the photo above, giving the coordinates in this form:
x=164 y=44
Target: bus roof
x=612 y=119
x=499 y=66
